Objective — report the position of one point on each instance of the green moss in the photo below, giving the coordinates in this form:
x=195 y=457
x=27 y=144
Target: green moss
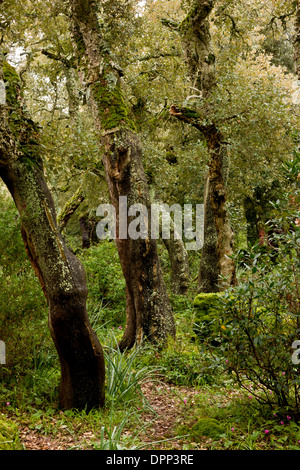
x=9 y=436
x=208 y=308
x=192 y=14
x=12 y=80
x=113 y=110
x=207 y=427
x=208 y=304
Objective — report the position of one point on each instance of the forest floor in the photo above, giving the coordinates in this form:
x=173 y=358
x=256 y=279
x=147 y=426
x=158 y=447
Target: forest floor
x=165 y=420
x=167 y=407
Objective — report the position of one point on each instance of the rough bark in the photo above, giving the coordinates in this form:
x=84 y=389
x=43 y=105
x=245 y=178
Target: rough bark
x=195 y=35
x=60 y=273
x=149 y=313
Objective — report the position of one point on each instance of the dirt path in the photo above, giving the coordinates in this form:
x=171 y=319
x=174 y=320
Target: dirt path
x=167 y=402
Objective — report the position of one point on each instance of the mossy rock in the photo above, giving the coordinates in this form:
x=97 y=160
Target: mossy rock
x=208 y=308
x=206 y=427
x=208 y=303
x=9 y=435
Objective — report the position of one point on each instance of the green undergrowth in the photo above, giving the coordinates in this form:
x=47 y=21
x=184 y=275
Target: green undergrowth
x=9 y=435
x=225 y=417
x=199 y=368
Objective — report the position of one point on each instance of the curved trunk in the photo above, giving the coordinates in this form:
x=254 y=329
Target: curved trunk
x=61 y=275
x=148 y=309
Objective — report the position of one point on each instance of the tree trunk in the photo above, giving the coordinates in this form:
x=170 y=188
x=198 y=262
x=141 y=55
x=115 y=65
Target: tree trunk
x=60 y=273
x=218 y=155
x=88 y=230
x=196 y=41
x=149 y=313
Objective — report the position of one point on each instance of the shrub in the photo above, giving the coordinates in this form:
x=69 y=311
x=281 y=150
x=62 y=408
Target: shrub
x=106 y=284
x=208 y=307
x=258 y=324
x=124 y=374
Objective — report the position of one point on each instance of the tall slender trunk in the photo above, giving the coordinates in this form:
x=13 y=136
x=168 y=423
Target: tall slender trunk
x=61 y=275
x=148 y=309
x=196 y=41
x=218 y=157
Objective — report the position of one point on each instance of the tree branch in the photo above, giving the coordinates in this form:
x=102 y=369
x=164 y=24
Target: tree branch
x=69 y=208
x=157 y=56
x=70 y=63
x=189 y=116
x=174 y=25
x=283 y=17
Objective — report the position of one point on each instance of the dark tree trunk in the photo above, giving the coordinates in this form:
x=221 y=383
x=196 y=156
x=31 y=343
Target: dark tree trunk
x=60 y=273
x=149 y=313
x=88 y=230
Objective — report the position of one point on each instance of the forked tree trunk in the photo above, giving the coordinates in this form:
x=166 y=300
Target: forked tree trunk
x=61 y=275
x=149 y=313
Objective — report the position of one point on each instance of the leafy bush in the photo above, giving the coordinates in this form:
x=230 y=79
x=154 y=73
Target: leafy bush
x=106 y=284
x=23 y=309
x=258 y=324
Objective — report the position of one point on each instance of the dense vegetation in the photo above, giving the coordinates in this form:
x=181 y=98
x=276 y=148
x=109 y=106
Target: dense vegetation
x=233 y=366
